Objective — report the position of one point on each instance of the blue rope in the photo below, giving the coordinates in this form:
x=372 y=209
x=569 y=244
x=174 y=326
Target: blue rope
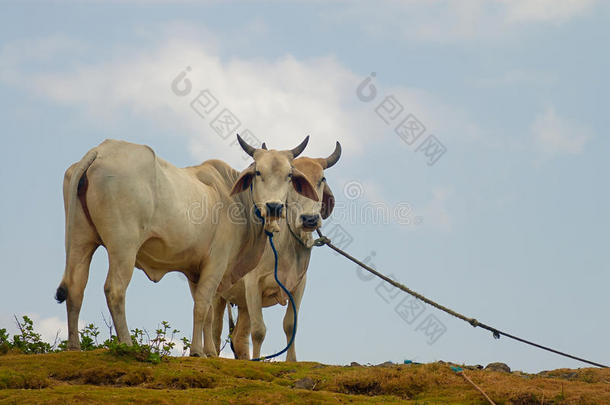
x=292 y=304
x=277 y=280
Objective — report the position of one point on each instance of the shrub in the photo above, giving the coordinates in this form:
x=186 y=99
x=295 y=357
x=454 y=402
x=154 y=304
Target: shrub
x=153 y=351
x=88 y=337
x=29 y=341
x=5 y=344
x=144 y=348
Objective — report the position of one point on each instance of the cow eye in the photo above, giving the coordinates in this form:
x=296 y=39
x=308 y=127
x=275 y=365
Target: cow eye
x=289 y=175
x=257 y=173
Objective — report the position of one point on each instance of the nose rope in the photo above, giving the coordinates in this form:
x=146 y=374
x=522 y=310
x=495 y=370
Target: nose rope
x=295 y=235
x=256 y=210
x=292 y=232
x=292 y=304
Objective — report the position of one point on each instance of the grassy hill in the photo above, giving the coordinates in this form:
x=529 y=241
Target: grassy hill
x=100 y=377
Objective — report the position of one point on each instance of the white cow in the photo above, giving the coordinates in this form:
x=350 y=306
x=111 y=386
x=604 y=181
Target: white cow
x=139 y=207
x=258 y=288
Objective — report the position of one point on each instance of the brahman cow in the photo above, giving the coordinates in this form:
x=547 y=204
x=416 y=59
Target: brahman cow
x=258 y=288
x=139 y=207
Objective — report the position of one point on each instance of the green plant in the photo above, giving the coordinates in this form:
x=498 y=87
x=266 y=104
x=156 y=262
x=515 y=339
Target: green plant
x=186 y=345
x=160 y=344
x=29 y=341
x=5 y=344
x=137 y=336
x=143 y=348
x=136 y=351
x=153 y=351
x=88 y=337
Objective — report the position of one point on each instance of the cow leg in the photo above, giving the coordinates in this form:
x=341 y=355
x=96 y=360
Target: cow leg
x=291 y=355
x=193 y=289
x=209 y=329
x=209 y=280
x=122 y=262
x=219 y=311
x=241 y=335
x=84 y=240
x=255 y=312
x=213 y=319
x=75 y=281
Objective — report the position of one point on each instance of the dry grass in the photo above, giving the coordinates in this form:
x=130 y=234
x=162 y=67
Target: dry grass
x=98 y=377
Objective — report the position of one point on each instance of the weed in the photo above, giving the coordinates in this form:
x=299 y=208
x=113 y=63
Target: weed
x=5 y=344
x=29 y=341
x=144 y=347
x=186 y=345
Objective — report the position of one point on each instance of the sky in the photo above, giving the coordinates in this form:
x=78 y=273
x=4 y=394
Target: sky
x=474 y=146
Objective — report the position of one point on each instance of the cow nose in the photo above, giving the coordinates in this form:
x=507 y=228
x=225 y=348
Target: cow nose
x=274 y=209
x=310 y=221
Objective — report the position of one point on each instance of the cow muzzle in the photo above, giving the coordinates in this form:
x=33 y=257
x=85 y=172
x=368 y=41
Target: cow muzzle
x=310 y=222
x=274 y=209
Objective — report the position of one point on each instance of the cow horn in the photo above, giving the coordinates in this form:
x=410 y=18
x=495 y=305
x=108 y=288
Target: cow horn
x=334 y=157
x=299 y=149
x=247 y=148
x=264 y=146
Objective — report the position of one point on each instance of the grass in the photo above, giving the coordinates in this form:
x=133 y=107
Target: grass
x=100 y=377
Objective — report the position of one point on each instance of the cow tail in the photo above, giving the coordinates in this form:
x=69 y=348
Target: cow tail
x=231 y=328
x=81 y=168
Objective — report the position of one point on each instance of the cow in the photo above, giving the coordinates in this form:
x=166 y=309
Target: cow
x=258 y=288
x=139 y=207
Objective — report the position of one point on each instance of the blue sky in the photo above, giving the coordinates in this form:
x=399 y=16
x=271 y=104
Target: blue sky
x=508 y=225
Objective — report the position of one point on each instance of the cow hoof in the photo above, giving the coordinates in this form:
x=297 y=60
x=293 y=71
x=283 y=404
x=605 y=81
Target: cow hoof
x=242 y=356
x=195 y=355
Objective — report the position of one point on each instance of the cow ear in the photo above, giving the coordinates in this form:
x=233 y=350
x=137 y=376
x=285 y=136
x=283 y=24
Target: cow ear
x=243 y=181
x=303 y=186
x=328 y=202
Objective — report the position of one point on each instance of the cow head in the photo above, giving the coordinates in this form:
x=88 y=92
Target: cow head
x=270 y=178
x=305 y=214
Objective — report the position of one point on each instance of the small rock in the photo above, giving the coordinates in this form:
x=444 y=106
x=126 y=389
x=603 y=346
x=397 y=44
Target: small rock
x=305 y=384
x=545 y=374
x=522 y=374
x=354 y=364
x=498 y=367
x=475 y=367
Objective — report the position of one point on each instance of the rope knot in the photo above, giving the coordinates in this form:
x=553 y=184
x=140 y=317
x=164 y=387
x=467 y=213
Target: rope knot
x=321 y=241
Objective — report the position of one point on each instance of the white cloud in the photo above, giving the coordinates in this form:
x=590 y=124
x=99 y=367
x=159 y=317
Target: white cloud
x=279 y=100
x=448 y=21
x=557 y=11
x=48 y=328
x=554 y=135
